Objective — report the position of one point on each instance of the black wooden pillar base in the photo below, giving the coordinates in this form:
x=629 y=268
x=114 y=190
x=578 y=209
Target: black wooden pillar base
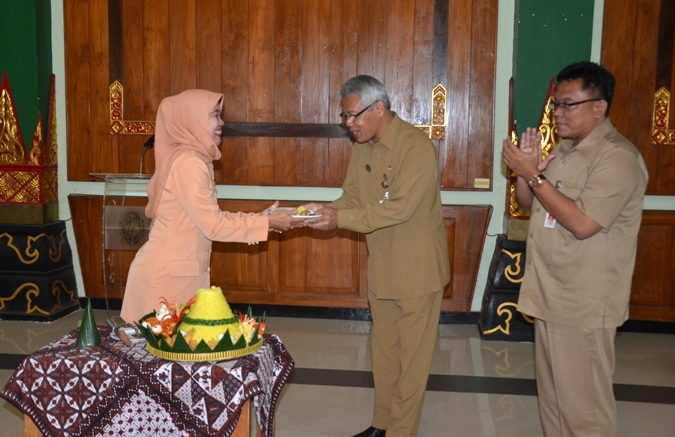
x=499 y=318
x=37 y=280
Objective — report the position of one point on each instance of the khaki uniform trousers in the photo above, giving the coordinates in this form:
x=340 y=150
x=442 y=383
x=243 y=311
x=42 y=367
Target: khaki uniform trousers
x=403 y=338
x=574 y=369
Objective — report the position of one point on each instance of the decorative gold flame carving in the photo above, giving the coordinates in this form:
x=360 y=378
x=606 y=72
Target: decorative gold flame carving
x=32 y=178
x=35 y=155
x=11 y=149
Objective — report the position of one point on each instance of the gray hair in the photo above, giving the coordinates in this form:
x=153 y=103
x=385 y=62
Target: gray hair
x=370 y=89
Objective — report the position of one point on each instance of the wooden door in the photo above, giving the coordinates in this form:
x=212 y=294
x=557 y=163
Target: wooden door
x=638 y=48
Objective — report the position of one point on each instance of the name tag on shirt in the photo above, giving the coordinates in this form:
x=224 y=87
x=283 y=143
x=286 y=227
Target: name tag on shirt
x=549 y=221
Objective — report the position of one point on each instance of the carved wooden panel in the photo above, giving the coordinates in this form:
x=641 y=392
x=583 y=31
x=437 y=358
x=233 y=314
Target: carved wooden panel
x=298 y=267
x=280 y=62
x=653 y=290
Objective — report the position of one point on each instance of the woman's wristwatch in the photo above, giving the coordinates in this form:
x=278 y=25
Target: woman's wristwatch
x=536 y=180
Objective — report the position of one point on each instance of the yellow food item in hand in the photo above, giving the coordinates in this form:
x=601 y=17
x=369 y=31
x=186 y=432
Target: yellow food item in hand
x=303 y=211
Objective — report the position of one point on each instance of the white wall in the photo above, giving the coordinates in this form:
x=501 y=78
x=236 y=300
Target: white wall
x=496 y=197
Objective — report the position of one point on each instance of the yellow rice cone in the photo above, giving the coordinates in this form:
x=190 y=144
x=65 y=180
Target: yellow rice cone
x=210 y=305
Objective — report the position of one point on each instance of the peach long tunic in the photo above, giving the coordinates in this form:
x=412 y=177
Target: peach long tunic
x=174 y=263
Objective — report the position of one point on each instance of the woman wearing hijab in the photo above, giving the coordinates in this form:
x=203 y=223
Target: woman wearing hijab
x=174 y=262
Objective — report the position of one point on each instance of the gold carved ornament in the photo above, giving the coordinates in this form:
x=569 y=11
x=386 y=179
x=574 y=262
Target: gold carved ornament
x=661 y=134
x=11 y=149
x=32 y=254
x=118 y=125
x=502 y=310
x=512 y=272
x=436 y=130
x=33 y=291
x=549 y=139
x=25 y=179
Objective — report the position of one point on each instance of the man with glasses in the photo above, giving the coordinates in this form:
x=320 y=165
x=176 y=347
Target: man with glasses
x=391 y=194
x=586 y=200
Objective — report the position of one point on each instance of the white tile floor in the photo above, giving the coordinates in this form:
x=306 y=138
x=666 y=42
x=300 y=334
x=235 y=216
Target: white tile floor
x=307 y=410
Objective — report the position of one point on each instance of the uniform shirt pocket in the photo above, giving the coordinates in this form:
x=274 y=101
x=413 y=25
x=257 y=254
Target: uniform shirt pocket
x=569 y=189
x=184 y=267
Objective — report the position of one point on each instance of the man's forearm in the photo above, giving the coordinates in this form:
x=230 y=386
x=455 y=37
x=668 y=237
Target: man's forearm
x=524 y=194
x=566 y=212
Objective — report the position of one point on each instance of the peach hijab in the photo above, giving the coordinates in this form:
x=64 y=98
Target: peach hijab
x=182 y=124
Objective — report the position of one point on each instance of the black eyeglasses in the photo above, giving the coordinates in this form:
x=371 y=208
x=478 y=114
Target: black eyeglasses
x=346 y=117
x=565 y=106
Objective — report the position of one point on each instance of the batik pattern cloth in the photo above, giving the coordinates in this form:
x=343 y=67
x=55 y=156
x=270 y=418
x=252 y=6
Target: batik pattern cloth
x=117 y=390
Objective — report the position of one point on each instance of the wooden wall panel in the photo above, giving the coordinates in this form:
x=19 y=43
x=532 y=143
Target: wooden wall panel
x=261 y=89
x=454 y=157
x=466 y=229
x=280 y=62
x=314 y=90
x=642 y=86
x=208 y=39
x=484 y=48
x=653 y=289
x=422 y=62
x=131 y=14
x=298 y=267
x=288 y=87
x=398 y=62
x=310 y=268
x=155 y=57
x=182 y=46
x=613 y=43
x=76 y=34
x=104 y=153
x=372 y=37
x=637 y=47
x=235 y=84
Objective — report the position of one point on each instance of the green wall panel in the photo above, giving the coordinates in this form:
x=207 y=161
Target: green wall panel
x=549 y=36
x=26 y=56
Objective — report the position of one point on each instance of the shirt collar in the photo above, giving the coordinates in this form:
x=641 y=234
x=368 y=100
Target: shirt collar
x=588 y=144
x=389 y=136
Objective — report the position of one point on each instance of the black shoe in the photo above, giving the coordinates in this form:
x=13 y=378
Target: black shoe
x=372 y=432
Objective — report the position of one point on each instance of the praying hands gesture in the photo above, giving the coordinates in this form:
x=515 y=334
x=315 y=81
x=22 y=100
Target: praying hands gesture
x=526 y=161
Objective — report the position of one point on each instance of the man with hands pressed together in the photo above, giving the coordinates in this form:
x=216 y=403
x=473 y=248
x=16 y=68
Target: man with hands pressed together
x=391 y=194
x=586 y=200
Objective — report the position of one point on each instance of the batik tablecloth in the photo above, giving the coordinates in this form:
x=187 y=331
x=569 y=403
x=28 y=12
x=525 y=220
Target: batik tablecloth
x=117 y=390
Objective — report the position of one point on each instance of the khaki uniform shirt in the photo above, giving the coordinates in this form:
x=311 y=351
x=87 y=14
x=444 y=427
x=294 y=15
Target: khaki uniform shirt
x=407 y=243
x=587 y=283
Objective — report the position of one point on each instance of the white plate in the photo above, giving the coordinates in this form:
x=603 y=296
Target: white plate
x=307 y=216
x=285 y=208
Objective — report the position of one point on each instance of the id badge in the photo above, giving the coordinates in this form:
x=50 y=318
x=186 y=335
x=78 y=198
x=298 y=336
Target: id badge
x=549 y=221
